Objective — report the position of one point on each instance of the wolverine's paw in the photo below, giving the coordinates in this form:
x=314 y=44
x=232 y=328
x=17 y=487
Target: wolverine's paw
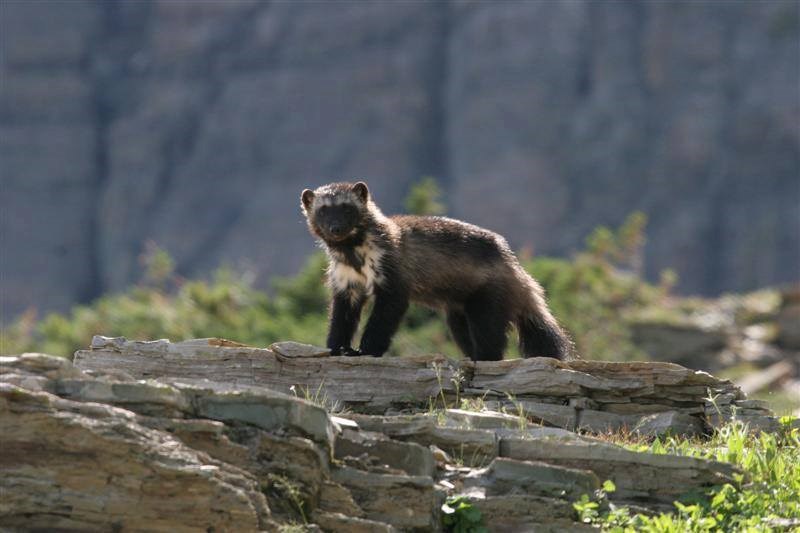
x=351 y=352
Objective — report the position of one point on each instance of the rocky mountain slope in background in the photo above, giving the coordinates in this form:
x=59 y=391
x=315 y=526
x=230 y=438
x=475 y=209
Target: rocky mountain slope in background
x=196 y=125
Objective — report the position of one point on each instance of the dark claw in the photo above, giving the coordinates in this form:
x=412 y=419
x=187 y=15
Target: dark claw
x=345 y=351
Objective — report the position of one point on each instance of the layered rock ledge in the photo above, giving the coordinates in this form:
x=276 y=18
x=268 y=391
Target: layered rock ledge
x=594 y=396
x=208 y=434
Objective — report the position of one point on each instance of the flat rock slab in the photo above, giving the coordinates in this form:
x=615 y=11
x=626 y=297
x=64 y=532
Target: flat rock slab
x=510 y=476
x=639 y=476
x=341 y=523
x=407 y=502
x=577 y=395
x=473 y=447
x=358 y=382
x=410 y=457
x=512 y=513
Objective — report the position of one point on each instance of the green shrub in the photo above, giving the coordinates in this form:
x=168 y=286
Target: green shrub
x=593 y=293
x=767 y=498
x=459 y=515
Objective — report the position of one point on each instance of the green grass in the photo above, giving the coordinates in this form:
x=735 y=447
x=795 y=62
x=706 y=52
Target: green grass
x=767 y=497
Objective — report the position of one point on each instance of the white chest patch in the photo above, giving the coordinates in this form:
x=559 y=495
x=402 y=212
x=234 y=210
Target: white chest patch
x=344 y=277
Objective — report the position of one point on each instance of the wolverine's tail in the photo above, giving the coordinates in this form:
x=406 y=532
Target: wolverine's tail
x=542 y=338
x=539 y=332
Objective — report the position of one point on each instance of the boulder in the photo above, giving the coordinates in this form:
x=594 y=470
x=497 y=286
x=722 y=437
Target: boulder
x=89 y=466
x=669 y=423
x=686 y=343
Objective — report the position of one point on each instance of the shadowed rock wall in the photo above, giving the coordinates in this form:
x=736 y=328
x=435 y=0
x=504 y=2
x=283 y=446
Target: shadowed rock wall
x=196 y=124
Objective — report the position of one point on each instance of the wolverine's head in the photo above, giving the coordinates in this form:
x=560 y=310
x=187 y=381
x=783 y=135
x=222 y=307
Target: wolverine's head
x=336 y=212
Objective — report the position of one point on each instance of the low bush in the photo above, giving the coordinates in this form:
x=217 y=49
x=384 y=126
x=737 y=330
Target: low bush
x=767 y=497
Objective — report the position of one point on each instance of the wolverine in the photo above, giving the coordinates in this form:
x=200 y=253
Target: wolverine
x=468 y=272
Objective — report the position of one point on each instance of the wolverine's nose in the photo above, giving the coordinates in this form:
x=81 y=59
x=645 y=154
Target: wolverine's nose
x=337 y=230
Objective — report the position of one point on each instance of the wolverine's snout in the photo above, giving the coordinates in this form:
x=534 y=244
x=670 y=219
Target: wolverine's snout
x=336 y=222
x=337 y=233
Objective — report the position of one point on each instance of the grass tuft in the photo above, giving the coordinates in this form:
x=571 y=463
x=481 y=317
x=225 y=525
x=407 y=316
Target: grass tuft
x=767 y=498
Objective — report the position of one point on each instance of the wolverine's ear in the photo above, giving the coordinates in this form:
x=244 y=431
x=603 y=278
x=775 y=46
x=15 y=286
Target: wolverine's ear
x=307 y=197
x=361 y=191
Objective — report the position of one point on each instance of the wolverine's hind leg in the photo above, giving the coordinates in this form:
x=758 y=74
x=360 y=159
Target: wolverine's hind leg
x=459 y=328
x=488 y=321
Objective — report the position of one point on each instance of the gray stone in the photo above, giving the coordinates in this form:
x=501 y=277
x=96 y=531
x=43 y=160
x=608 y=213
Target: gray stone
x=687 y=344
x=111 y=472
x=509 y=476
x=755 y=422
x=366 y=383
x=669 y=423
x=594 y=396
x=340 y=523
x=41 y=364
x=407 y=502
x=562 y=416
x=472 y=447
x=264 y=409
x=510 y=513
x=639 y=477
x=482 y=419
x=334 y=498
x=344 y=473
x=544 y=376
x=146 y=397
x=538 y=432
x=297 y=349
x=412 y=458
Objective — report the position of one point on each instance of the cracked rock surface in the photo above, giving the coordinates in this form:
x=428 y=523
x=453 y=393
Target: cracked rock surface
x=207 y=434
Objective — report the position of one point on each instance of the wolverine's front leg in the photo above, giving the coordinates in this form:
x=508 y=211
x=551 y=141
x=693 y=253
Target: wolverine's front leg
x=388 y=311
x=345 y=313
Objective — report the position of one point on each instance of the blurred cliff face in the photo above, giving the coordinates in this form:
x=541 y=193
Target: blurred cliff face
x=196 y=125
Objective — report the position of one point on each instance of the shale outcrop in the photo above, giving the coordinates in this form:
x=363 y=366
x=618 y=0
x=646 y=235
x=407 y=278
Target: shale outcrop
x=209 y=434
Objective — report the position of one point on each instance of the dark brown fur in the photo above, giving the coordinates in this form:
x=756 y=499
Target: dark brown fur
x=468 y=272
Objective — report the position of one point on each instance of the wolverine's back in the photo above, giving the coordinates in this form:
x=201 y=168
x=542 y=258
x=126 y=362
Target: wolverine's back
x=444 y=260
